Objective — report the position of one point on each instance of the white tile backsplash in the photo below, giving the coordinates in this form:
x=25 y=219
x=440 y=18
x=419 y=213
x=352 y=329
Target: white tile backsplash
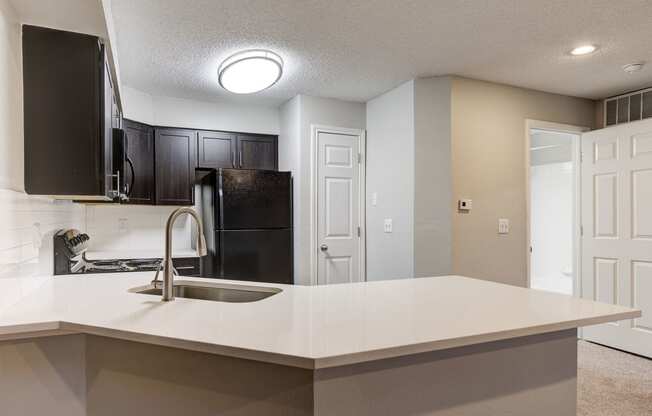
x=27 y=225
x=124 y=228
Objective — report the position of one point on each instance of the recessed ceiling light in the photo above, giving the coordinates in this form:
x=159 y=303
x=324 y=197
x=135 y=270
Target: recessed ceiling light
x=584 y=50
x=250 y=71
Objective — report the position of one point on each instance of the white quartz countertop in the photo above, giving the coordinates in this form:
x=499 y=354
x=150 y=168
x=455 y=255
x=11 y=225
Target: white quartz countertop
x=309 y=327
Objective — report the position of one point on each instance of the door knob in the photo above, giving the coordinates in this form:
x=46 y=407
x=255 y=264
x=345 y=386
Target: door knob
x=323 y=247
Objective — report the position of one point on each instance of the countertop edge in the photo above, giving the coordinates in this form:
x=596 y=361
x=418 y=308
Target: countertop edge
x=52 y=328
x=192 y=345
x=398 y=351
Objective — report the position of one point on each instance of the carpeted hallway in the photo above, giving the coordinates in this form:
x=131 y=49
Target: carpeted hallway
x=612 y=383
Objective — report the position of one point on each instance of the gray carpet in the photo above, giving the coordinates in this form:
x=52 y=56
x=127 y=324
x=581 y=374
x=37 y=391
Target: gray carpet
x=612 y=383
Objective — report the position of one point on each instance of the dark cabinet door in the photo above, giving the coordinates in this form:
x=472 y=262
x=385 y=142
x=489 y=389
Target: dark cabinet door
x=216 y=150
x=67 y=134
x=174 y=164
x=257 y=152
x=139 y=163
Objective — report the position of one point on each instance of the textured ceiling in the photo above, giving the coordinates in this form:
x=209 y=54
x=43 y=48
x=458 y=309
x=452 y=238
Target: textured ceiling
x=356 y=50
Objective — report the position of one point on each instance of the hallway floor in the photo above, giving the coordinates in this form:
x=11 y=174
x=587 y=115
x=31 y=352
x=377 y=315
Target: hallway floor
x=612 y=383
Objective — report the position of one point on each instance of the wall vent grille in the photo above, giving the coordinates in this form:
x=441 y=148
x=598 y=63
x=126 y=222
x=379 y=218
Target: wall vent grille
x=628 y=107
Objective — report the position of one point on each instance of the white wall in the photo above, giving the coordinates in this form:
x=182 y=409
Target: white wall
x=289 y=159
x=11 y=119
x=390 y=175
x=27 y=223
x=433 y=187
x=177 y=112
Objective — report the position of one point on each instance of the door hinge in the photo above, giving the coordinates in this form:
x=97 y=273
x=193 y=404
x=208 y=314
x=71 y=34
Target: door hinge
x=359 y=232
x=359 y=157
x=581 y=231
x=581 y=157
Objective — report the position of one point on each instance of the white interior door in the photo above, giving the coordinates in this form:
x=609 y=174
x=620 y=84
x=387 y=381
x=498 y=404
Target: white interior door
x=338 y=213
x=617 y=236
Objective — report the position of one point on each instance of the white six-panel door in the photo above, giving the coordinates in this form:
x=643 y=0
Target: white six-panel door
x=338 y=213
x=617 y=230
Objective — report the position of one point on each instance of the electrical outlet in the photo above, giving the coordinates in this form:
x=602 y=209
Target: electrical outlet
x=465 y=204
x=503 y=226
x=387 y=226
x=374 y=199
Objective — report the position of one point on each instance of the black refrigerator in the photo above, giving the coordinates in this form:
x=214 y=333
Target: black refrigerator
x=247 y=217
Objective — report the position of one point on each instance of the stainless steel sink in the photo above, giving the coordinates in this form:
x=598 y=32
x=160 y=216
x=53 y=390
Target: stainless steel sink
x=217 y=292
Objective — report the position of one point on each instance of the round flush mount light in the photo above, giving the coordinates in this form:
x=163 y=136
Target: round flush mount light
x=583 y=50
x=250 y=71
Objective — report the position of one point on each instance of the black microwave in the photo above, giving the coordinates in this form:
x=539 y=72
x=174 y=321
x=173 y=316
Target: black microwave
x=123 y=166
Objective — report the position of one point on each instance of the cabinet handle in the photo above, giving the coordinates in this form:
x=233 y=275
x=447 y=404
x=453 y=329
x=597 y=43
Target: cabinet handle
x=240 y=153
x=233 y=158
x=130 y=187
x=114 y=193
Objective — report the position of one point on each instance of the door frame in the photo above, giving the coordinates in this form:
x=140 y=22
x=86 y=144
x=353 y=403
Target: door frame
x=315 y=129
x=577 y=209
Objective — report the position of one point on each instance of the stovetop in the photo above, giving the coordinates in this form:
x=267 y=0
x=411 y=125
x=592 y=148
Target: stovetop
x=120 y=265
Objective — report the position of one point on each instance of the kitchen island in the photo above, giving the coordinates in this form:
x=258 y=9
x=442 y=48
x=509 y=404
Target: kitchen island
x=440 y=346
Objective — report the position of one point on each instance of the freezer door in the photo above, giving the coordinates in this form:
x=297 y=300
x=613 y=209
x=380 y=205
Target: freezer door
x=254 y=199
x=257 y=255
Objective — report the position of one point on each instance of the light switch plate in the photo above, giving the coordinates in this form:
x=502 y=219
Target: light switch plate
x=387 y=226
x=374 y=199
x=503 y=226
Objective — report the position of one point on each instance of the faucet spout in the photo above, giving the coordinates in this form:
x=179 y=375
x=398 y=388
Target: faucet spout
x=168 y=268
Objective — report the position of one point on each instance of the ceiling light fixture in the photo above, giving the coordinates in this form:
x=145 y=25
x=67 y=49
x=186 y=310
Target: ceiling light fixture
x=584 y=50
x=250 y=71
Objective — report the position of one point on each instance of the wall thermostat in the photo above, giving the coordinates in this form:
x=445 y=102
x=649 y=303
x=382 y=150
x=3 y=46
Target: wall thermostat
x=465 y=204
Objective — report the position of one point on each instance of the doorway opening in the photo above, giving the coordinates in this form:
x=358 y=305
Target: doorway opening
x=553 y=208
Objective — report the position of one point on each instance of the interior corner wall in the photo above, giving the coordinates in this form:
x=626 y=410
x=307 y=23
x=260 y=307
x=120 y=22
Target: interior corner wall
x=432 y=177
x=390 y=177
x=488 y=164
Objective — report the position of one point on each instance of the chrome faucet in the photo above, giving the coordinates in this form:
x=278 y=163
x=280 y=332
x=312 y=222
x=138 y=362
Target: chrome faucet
x=168 y=267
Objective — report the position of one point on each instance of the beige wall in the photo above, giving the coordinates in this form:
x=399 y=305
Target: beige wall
x=488 y=159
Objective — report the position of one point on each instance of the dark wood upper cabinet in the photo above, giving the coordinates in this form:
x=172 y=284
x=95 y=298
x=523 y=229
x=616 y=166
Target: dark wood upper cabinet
x=216 y=149
x=174 y=164
x=139 y=163
x=68 y=100
x=257 y=152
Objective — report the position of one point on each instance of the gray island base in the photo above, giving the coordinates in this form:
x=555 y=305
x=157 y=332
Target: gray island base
x=86 y=375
